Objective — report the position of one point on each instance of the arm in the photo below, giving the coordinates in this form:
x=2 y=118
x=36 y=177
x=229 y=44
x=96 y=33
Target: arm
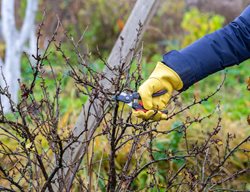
x=214 y=52
x=181 y=69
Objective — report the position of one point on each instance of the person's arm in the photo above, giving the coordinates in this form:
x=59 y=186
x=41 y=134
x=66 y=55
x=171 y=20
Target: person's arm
x=181 y=69
x=214 y=52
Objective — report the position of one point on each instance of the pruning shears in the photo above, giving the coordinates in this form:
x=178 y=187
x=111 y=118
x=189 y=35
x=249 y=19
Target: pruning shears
x=134 y=100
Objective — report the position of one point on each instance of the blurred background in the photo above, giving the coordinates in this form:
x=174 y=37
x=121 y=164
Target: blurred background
x=175 y=25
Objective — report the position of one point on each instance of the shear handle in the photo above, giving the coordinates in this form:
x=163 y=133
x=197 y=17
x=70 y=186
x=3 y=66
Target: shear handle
x=136 y=95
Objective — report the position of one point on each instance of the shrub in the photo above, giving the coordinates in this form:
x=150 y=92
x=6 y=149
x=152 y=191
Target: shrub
x=197 y=24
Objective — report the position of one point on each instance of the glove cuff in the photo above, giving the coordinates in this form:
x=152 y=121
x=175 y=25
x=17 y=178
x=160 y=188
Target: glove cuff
x=167 y=74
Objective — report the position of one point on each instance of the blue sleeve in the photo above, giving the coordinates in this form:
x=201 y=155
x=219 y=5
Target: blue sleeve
x=223 y=48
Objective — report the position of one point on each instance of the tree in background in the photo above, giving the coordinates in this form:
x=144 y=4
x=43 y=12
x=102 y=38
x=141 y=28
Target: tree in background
x=16 y=42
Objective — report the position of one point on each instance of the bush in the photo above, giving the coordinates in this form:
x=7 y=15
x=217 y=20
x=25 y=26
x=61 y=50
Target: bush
x=197 y=25
x=186 y=152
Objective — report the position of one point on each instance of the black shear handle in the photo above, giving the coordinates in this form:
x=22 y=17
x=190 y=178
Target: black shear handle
x=136 y=95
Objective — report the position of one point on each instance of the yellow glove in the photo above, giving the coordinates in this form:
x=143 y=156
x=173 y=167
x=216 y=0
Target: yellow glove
x=162 y=78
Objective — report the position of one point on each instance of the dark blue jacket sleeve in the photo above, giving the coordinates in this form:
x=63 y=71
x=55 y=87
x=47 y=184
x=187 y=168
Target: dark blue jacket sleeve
x=223 y=48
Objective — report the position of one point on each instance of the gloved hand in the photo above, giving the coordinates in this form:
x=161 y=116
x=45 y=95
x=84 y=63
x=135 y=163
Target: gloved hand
x=162 y=78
